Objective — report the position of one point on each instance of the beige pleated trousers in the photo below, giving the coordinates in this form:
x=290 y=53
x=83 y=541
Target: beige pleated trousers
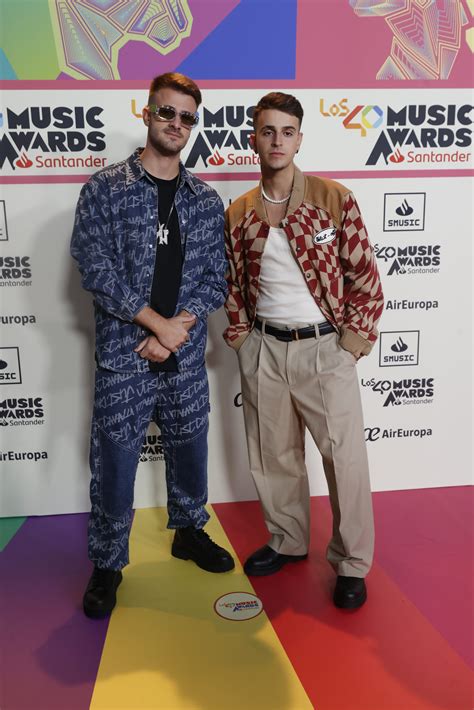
x=313 y=383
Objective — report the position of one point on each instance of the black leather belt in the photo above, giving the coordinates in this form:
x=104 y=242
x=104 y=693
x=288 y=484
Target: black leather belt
x=295 y=334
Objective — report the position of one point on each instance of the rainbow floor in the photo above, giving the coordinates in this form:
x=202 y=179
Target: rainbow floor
x=165 y=647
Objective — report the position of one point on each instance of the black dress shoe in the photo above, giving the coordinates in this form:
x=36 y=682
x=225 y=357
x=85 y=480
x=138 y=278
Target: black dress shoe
x=196 y=545
x=100 y=595
x=266 y=561
x=350 y=592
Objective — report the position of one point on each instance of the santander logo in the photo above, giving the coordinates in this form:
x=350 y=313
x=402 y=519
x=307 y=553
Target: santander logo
x=23 y=161
x=216 y=159
x=396 y=157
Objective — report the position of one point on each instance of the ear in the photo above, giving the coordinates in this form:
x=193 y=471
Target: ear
x=253 y=142
x=298 y=144
x=146 y=116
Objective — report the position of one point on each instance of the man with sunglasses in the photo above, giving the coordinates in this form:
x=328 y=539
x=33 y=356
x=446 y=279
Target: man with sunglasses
x=304 y=301
x=148 y=239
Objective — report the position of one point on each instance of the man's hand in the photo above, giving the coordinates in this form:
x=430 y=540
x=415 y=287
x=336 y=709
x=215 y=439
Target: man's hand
x=188 y=320
x=171 y=332
x=150 y=349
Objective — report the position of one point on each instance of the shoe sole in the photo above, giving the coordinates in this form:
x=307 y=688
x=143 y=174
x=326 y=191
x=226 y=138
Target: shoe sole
x=183 y=555
x=275 y=568
x=100 y=613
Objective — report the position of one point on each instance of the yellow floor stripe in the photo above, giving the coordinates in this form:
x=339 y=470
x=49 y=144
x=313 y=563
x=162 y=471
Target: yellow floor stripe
x=166 y=648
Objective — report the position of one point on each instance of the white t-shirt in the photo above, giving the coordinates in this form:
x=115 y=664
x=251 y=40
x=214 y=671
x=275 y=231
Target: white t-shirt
x=283 y=293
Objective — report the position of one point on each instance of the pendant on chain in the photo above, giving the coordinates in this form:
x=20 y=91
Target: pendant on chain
x=162 y=234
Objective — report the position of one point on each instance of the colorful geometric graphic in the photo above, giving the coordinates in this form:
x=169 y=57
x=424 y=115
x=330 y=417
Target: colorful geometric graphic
x=239 y=40
x=90 y=33
x=427 y=35
x=166 y=647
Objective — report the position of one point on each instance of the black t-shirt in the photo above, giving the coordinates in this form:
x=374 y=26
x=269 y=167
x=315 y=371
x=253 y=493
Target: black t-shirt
x=168 y=263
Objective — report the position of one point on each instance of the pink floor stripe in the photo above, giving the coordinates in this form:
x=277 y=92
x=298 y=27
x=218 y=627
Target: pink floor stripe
x=425 y=543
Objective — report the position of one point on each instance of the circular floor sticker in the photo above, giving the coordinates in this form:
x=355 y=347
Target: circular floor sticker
x=238 y=606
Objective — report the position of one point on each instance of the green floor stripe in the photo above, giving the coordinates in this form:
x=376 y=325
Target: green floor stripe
x=8 y=529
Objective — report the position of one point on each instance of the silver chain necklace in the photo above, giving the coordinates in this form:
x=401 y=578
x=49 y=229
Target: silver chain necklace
x=274 y=202
x=163 y=231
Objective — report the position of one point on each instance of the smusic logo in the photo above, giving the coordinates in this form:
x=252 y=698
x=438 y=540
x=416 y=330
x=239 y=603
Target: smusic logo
x=399 y=348
x=3 y=222
x=404 y=212
x=10 y=369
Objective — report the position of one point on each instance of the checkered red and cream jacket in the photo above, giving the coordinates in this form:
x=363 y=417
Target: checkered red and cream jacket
x=329 y=242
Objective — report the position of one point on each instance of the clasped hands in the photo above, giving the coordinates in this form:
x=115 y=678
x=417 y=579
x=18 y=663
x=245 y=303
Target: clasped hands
x=167 y=338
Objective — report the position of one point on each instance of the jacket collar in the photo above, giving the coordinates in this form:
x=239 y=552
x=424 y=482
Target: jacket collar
x=134 y=171
x=296 y=198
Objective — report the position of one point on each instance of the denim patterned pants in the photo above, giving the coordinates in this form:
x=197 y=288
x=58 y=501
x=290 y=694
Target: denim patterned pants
x=124 y=405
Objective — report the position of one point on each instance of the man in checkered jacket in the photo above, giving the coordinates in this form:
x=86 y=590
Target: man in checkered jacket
x=303 y=304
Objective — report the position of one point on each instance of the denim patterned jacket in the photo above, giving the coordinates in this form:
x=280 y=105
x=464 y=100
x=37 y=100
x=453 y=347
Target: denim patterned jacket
x=114 y=243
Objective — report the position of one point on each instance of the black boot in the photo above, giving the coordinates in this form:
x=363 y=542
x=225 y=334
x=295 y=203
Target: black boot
x=100 y=595
x=193 y=544
x=349 y=592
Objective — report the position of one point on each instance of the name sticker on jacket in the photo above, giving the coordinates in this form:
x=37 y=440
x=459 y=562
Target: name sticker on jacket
x=325 y=236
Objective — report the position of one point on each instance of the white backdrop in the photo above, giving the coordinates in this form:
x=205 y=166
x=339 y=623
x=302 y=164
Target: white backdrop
x=416 y=384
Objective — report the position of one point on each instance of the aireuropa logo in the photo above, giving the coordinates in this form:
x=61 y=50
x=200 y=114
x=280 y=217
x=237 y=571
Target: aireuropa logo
x=23 y=455
x=415 y=133
x=419 y=390
x=375 y=433
x=15 y=271
x=17 y=320
x=24 y=411
x=51 y=136
x=404 y=211
x=405 y=304
x=10 y=369
x=3 y=222
x=409 y=260
x=152 y=448
x=238 y=606
x=399 y=347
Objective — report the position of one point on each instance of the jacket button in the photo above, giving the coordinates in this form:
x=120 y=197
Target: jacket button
x=308 y=275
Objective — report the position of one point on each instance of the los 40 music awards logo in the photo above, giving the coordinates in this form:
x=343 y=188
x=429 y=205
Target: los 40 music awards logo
x=15 y=269
x=221 y=138
x=152 y=448
x=21 y=411
x=410 y=259
x=51 y=137
x=409 y=134
x=406 y=391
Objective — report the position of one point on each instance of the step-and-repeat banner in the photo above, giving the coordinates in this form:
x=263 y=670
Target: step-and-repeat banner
x=374 y=123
